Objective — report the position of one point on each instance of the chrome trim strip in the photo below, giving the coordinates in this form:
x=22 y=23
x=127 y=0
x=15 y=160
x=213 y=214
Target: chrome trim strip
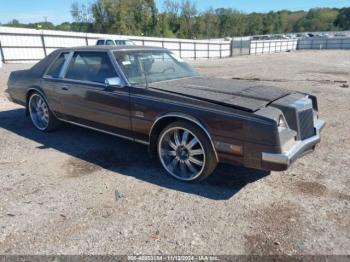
x=287 y=157
x=106 y=132
x=189 y=118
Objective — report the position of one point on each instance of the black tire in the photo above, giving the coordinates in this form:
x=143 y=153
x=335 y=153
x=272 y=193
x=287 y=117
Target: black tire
x=166 y=149
x=52 y=122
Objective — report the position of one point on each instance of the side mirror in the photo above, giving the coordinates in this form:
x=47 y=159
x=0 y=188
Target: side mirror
x=113 y=82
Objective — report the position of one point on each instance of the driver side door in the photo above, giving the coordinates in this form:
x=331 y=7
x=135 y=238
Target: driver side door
x=84 y=98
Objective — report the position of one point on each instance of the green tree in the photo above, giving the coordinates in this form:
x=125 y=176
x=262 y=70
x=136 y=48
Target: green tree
x=318 y=19
x=182 y=19
x=188 y=15
x=343 y=19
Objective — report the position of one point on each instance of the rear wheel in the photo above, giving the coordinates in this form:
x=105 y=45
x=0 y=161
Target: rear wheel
x=185 y=152
x=40 y=113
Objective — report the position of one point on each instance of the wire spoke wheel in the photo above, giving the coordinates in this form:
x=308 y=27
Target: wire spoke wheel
x=181 y=153
x=39 y=112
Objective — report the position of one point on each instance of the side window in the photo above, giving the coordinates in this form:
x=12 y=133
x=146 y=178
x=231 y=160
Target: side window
x=91 y=66
x=109 y=42
x=100 y=42
x=56 y=67
x=119 y=42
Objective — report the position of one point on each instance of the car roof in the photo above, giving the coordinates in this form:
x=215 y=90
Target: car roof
x=114 y=48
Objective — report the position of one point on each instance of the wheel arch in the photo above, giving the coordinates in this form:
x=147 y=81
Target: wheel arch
x=30 y=91
x=162 y=121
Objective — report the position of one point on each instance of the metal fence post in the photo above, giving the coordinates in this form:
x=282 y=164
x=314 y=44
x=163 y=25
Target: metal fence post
x=241 y=47
x=195 y=51
x=231 y=49
x=220 y=50
x=86 y=40
x=249 y=43
x=281 y=44
x=342 y=43
x=2 y=54
x=264 y=47
x=208 y=50
x=180 y=49
x=43 y=44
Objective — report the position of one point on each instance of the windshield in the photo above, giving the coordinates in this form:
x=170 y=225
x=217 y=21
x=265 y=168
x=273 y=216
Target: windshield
x=141 y=67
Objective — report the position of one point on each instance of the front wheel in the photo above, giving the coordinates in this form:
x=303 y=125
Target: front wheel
x=40 y=113
x=185 y=152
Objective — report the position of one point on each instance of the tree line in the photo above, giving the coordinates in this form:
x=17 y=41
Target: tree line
x=184 y=20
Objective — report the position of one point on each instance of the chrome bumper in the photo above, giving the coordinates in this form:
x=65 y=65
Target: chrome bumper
x=287 y=157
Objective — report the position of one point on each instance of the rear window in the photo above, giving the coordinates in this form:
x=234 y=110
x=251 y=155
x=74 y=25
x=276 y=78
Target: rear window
x=56 y=67
x=100 y=42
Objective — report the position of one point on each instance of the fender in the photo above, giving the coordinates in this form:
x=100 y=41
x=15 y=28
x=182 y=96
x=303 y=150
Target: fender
x=42 y=93
x=185 y=117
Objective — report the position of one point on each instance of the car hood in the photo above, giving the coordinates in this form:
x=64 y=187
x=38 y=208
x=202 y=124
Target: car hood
x=235 y=93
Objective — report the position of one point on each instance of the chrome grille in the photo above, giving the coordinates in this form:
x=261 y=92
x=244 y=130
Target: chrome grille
x=306 y=123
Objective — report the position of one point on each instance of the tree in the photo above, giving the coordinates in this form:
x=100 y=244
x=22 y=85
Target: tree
x=188 y=15
x=318 y=19
x=182 y=19
x=343 y=19
x=81 y=14
x=211 y=29
x=172 y=14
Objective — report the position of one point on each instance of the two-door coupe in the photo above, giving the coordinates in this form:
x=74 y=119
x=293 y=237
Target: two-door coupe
x=151 y=96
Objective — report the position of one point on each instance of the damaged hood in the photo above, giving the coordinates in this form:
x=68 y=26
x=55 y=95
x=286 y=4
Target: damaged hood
x=239 y=94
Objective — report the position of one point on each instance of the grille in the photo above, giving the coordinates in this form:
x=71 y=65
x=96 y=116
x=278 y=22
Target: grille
x=306 y=123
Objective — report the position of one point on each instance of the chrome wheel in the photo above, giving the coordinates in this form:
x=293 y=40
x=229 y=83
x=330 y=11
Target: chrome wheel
x=39 y=112
x=181 y=153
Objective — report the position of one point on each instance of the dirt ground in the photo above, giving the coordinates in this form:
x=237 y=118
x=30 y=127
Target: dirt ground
x=76 y=191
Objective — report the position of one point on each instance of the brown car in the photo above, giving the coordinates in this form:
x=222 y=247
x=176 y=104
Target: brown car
x=151 y=96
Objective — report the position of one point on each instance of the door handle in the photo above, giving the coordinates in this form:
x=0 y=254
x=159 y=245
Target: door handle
x=65 y=88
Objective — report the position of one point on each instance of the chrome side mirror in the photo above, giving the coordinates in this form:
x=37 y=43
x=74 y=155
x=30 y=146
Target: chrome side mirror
x=113 y=82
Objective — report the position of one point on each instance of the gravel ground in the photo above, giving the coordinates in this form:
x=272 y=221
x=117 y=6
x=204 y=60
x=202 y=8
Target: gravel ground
x=76 y=191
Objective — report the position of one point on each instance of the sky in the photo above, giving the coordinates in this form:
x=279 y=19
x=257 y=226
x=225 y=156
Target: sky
x=58 y=11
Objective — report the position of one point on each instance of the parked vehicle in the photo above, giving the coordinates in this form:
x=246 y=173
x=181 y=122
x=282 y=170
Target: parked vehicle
x=151 y=96
x=340 y=34
x=114 y=42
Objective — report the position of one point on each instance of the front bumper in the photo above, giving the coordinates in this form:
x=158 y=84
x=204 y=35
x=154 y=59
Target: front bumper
x=280 y=162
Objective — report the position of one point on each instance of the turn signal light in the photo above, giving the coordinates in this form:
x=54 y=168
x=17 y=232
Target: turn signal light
x=236 y=149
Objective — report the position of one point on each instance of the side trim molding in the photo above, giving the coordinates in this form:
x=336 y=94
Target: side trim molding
x=188 y=118
x=106 y=132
